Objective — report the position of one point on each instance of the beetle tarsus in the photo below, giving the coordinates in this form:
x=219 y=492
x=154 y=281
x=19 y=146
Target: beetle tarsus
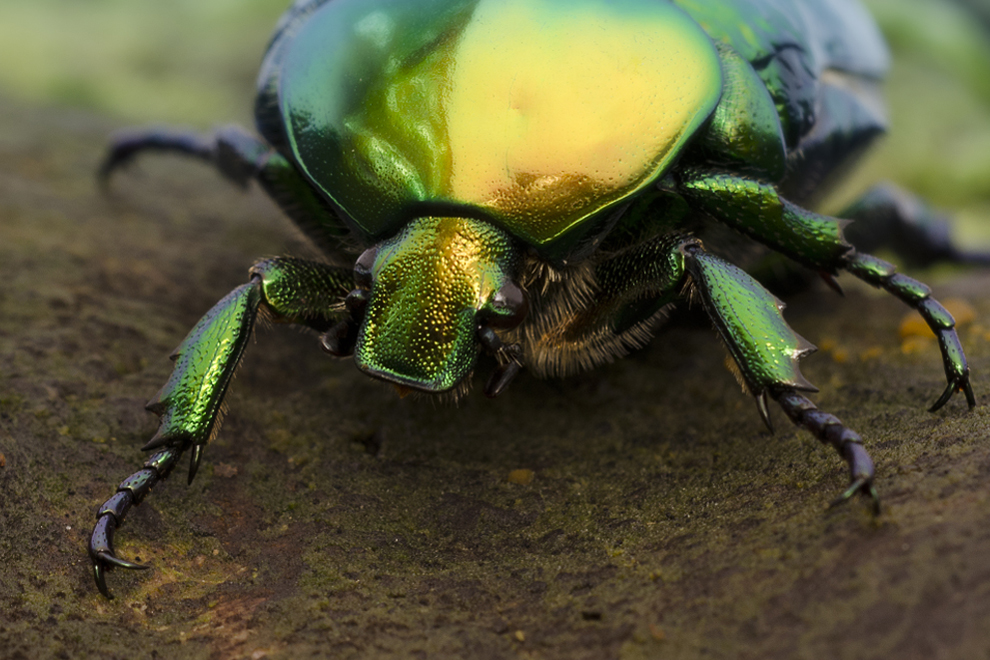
x=861 y=485
x=103 y=563
x=100 y=575
x=858 y=486
x=125 y=146
x=123 y=563
x=830 y=430
x=103 y=555
x=111 y=514
x=917 y=295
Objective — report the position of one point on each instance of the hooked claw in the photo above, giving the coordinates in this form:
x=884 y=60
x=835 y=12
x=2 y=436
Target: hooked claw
x=862 y=485
x=960 y=385
x=101 y=553
x=103 y=563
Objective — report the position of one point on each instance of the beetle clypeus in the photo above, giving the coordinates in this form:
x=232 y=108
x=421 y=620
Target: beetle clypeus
x=543 y=181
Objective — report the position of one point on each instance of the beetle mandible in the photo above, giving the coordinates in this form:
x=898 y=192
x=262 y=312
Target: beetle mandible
x=543 y=181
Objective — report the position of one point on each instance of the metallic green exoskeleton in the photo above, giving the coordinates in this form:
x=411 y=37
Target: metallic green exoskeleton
x=543 y=181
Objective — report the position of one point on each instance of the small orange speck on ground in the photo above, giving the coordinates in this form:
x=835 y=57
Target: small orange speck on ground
x=915 y=344
x=657 y=633
x=961 y=310
x=521 y=477
x=3 y=461
x=912 y=325
x=872 y=353
x=831 y=347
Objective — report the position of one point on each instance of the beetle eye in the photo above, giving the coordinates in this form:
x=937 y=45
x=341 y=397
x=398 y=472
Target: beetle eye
x=363 y=266
x=506 y=308
x=356 y=301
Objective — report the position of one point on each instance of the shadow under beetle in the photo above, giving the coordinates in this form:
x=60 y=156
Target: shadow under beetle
x=543 y=181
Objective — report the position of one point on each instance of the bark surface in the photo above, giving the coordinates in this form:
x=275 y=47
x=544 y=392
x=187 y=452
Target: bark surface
x=332 y=519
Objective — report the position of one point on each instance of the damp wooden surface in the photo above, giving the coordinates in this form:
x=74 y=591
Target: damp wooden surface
x=333 y=519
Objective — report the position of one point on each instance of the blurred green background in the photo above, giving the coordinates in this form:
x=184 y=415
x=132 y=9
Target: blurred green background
x=193 y=62
x=183 y=61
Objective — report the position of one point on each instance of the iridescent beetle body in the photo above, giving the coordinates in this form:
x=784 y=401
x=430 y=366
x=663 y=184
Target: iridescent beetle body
x=543 y=181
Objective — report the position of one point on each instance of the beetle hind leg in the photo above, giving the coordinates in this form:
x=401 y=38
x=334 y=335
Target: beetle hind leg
x=240 y=157
x=125 y=147
x=237 y=155
x=889 y=216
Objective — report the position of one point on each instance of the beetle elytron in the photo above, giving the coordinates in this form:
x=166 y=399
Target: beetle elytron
x=542 y=181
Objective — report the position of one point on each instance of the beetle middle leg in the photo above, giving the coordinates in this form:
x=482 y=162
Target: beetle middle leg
x=756 y=209
x=190 y=405
x=636 y=285
x=766 y=352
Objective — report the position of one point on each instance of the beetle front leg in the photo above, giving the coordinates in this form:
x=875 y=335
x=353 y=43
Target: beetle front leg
x=191 y=402
x=766 y=352
x=189 y=406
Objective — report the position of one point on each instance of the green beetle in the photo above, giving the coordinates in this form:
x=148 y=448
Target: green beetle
x=542 y=181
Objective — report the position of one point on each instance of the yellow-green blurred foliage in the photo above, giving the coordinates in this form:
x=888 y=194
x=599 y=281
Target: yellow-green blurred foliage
x=194 y=62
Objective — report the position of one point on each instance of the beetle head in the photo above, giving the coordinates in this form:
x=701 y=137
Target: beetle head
x=427 y=300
